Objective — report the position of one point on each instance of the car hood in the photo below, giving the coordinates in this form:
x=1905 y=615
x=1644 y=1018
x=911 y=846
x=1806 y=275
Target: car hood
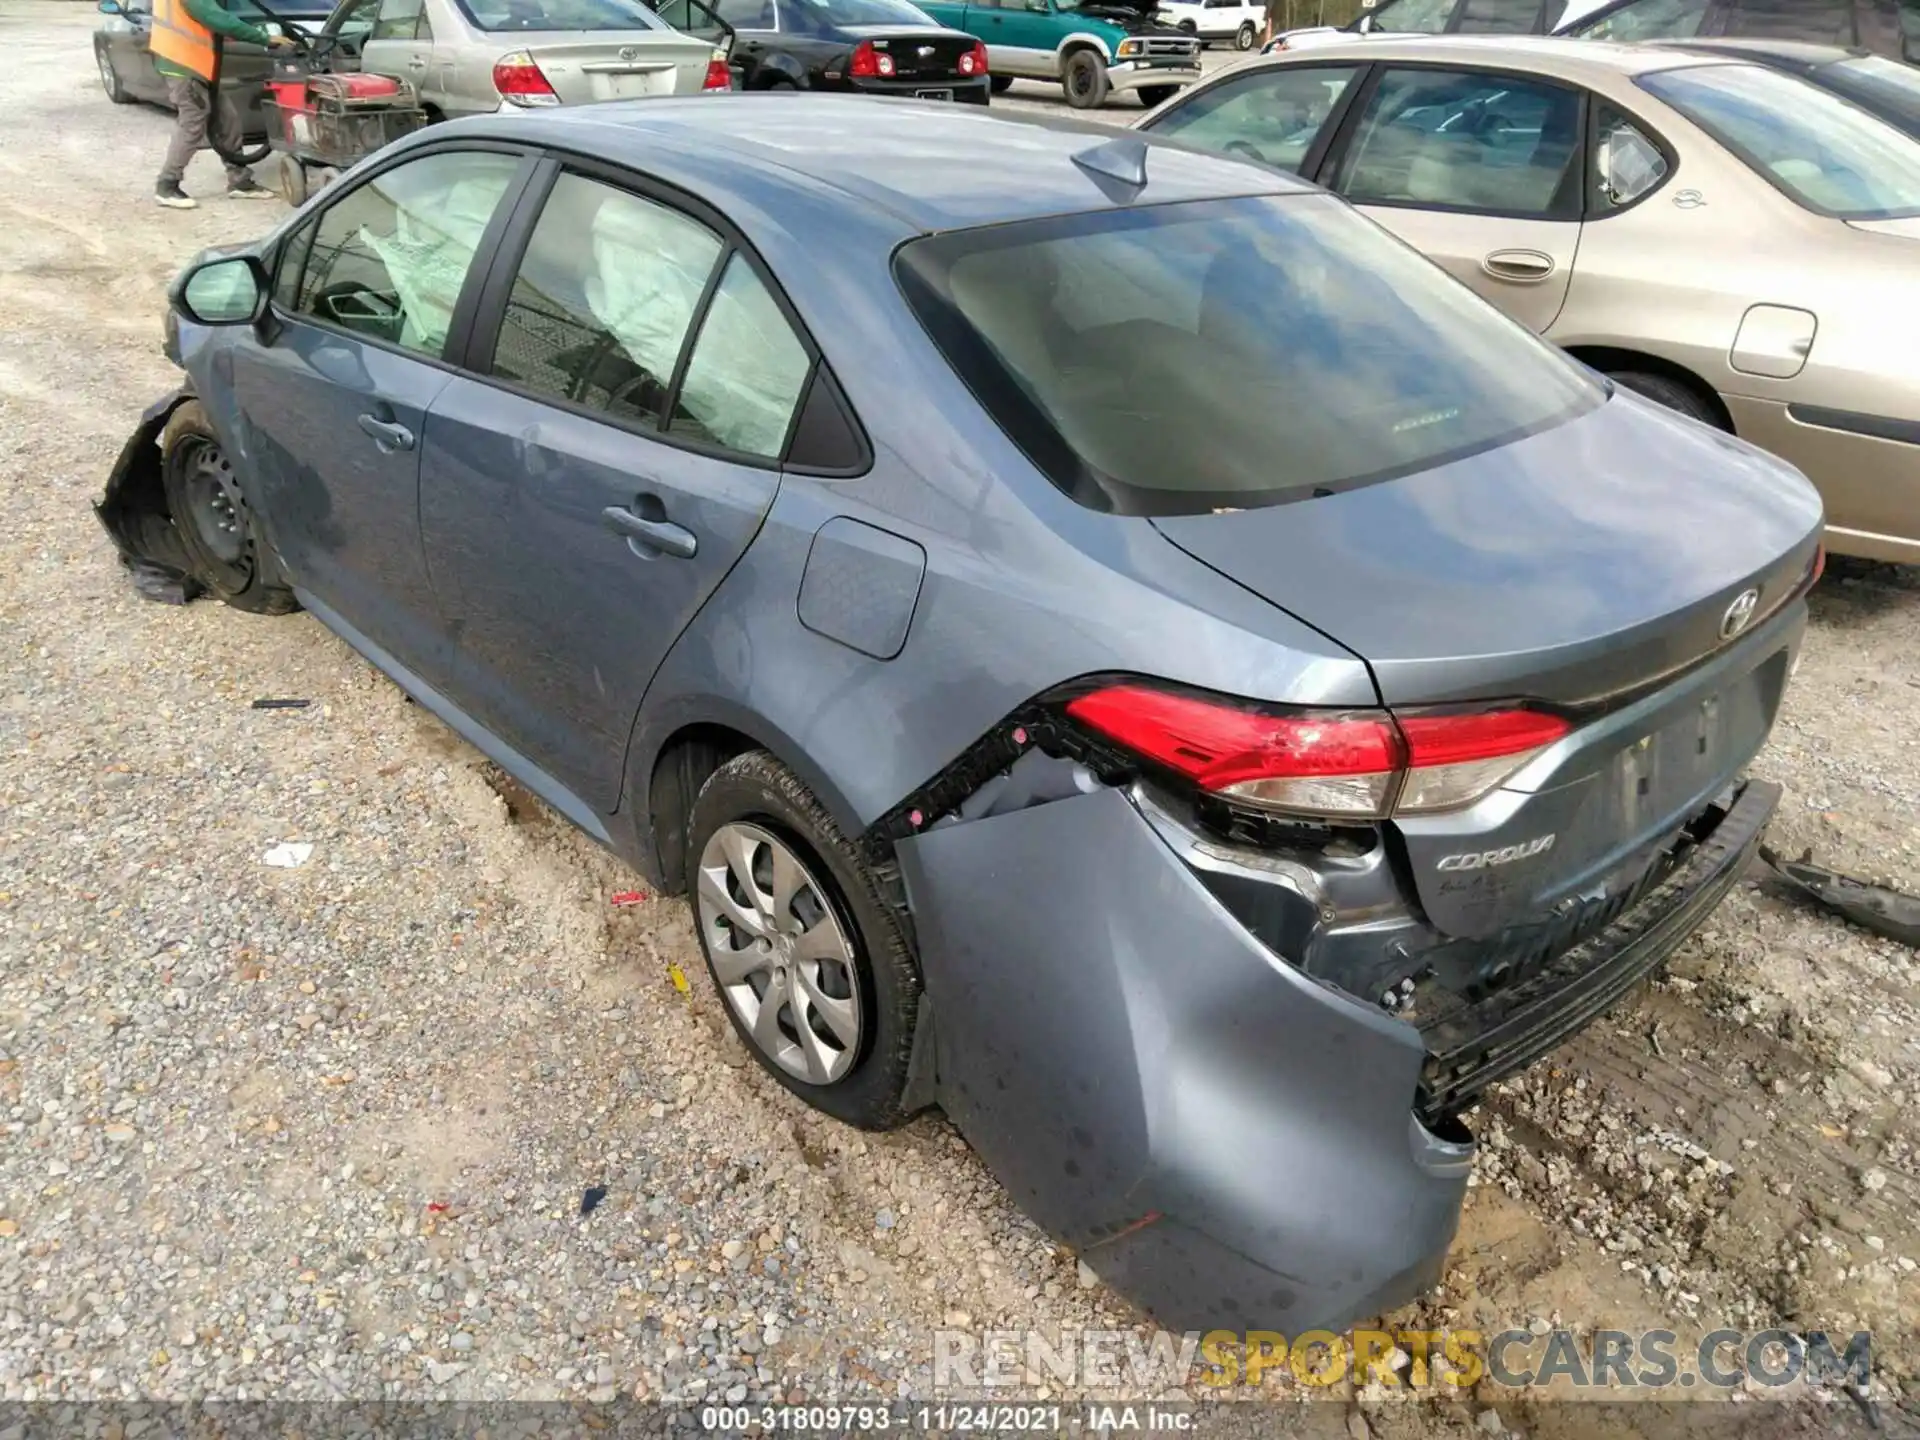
x=1586 y=560
x=1133 y=16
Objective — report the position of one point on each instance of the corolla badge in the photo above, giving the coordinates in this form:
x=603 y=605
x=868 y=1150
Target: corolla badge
x=1505 y=855
x=1739 y=614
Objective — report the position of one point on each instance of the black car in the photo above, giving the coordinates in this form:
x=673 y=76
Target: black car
x=1873 y=82
x=874 y=47
x=1889 y=28
x=126 y=66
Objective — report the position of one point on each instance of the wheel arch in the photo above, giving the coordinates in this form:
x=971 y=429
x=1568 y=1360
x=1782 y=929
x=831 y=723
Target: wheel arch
x=1082 y=40
x=1608 y=358
x=672 y=759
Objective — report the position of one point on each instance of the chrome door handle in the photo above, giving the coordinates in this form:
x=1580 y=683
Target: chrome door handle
x=1524 y=265
x=416 y=63
x=662 y=535
x=386 y=434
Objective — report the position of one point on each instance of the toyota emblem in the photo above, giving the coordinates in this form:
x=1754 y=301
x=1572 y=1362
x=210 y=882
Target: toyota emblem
x=1739 y=614
x=629 y=52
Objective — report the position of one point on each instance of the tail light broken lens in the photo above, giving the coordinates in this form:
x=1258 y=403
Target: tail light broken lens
x=1359 y=764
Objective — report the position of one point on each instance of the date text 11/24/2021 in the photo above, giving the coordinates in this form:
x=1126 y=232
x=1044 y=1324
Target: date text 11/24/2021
x=956 y=1418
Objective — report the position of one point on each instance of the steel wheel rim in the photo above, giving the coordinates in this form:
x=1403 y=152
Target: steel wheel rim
x=779 y=953
x=1080 y=80
x=215 y=505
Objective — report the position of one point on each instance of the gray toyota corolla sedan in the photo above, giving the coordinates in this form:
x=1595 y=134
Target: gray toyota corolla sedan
x=1110 y=642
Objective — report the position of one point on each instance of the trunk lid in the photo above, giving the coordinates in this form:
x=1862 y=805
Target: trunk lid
x=918 y=54
x=1906 y=228
x=621 y=65
x=1586 y=560
x=1593 y=567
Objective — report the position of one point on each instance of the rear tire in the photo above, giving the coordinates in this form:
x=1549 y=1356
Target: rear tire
x=1000 y=84
x=110 y=77
x=1152 y=95
x=1245 y=36
x=836 y=946
x=1084 y=78
x=215 y=523
x=1674 y=394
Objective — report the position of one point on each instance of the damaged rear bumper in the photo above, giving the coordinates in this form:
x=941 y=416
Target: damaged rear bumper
x=134 y=511
x=1224 y=1139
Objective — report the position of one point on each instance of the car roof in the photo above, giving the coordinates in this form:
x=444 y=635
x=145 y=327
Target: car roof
x=1564 y=57
x=931 y=165
x=1793 y=52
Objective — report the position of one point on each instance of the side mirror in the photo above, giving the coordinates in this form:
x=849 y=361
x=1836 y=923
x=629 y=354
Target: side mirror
x=110 y=7
x=228 y=291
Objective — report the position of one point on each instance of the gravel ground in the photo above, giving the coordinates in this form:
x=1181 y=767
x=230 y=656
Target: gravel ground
x=324 y=1131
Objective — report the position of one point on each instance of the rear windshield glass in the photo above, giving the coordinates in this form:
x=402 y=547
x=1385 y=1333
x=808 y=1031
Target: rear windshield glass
x=1226 y=354
x=510 y=15
x=1823 y=153
x=859 y=12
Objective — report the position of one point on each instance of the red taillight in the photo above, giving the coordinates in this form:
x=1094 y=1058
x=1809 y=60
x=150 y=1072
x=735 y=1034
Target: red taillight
x=718 y=76
x=1349 y=764
x=1819 y=565
x=868 y=63
x=521 y=82
x=974 y=62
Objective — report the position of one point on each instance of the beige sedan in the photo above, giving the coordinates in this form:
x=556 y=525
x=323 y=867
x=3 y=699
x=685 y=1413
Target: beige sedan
x=1720 y=237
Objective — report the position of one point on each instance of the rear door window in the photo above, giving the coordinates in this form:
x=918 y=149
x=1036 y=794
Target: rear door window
x=1648 y=20
x=1272 y=116
x=389 y=258
x=1183 y=358
x=604 y=298
x=1463 y=140
x=746 y=372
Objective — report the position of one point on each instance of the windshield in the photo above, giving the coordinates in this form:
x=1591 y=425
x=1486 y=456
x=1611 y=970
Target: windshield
x=858 y=12
x=511 y=15
x=1881 y=82
x=1175 y=359
x=1821 y=152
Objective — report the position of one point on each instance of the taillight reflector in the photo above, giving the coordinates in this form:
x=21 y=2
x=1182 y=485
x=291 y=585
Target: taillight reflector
x=521 y=82
x=1340 y=764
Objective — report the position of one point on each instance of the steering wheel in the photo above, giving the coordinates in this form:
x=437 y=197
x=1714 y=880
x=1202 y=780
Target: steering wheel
x=1242 y=147
x=628 y=386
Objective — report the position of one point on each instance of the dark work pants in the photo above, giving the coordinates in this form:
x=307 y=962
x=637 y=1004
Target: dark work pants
x=199 y=115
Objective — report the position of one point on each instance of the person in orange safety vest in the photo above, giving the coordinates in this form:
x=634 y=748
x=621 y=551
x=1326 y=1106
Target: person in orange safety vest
x=185 y=42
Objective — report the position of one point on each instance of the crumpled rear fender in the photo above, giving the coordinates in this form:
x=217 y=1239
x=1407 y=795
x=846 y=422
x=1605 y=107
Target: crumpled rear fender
x=1224 y=1140
x=134 y=510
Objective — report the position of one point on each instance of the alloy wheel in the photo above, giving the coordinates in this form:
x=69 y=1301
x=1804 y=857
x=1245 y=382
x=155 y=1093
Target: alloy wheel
x=107 y=77
x=779 y=952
